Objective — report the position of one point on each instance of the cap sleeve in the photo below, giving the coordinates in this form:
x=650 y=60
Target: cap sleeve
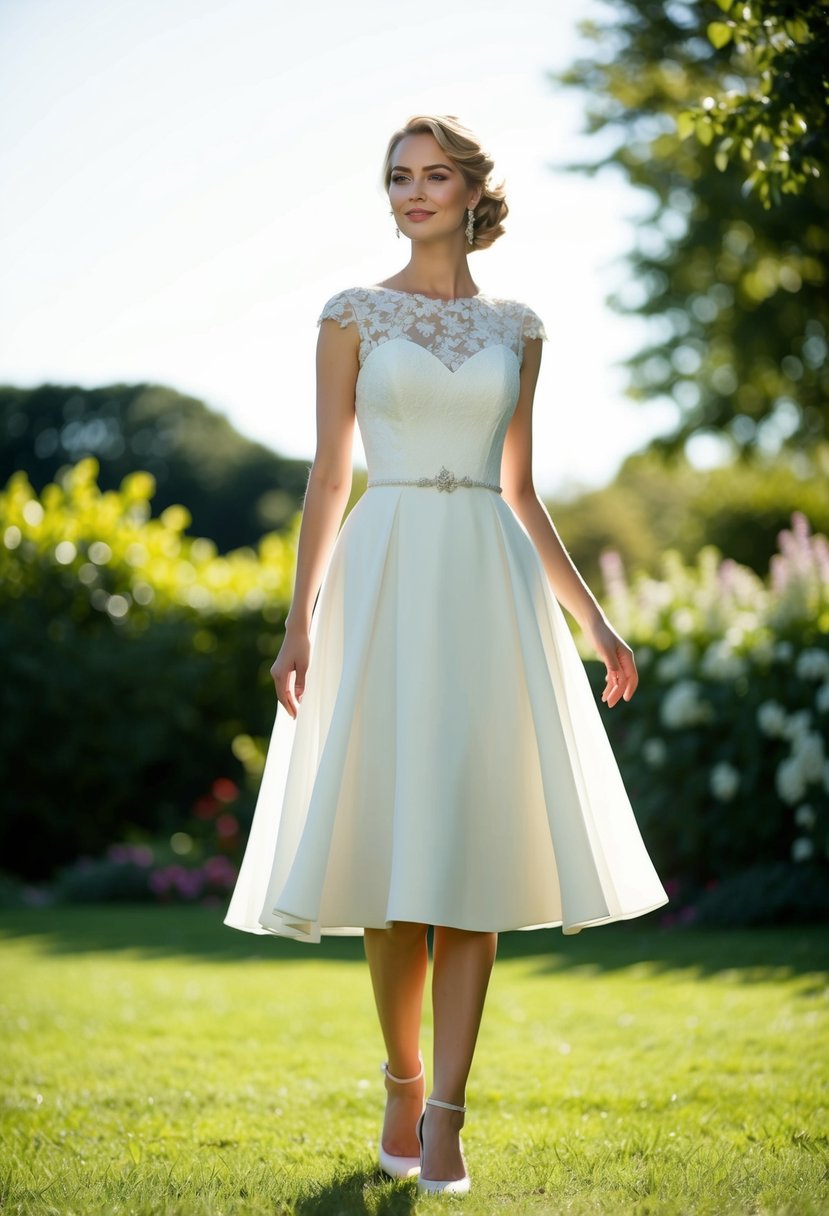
x=532 y=326
x=339 y=308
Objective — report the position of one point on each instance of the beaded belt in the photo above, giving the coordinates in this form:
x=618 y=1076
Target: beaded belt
x=444 y=481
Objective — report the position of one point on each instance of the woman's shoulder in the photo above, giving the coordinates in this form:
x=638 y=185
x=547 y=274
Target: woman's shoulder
x=527 y=320
x=347 y=306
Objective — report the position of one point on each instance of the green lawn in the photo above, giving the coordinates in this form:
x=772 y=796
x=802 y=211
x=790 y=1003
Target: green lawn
x=155 y=1062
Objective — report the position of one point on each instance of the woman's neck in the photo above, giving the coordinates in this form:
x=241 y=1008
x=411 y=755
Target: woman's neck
x=435 y=272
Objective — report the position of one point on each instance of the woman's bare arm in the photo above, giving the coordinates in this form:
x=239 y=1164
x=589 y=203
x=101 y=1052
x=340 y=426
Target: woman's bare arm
x=567 y=584
x=326 y=496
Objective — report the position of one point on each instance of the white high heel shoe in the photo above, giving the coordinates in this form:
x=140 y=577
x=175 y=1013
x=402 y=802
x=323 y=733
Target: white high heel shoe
x=431 y=1186
x=399 y=1167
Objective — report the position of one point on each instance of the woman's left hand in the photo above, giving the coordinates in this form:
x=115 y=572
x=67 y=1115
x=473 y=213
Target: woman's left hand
x=622 y=678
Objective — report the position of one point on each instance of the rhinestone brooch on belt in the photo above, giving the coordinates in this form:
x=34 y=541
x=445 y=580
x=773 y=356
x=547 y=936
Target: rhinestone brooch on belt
x=445 y=480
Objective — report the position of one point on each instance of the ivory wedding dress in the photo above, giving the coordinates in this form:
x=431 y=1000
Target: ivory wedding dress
x=448 y=763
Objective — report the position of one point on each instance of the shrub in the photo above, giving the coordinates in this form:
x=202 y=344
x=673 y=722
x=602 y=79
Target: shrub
x=135 y=662
x=722 y=748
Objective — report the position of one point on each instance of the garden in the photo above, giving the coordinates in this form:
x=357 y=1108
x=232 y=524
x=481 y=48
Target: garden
x=156 y=1063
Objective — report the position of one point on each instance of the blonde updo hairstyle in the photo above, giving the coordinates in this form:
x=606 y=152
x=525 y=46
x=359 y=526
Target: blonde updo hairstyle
x=464 y=149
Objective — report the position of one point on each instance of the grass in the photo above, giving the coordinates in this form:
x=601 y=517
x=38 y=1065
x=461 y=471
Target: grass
x=156 y=1063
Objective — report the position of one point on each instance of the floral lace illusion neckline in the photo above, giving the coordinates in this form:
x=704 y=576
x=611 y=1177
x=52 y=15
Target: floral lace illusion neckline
x=452 y=330
x=421 y=295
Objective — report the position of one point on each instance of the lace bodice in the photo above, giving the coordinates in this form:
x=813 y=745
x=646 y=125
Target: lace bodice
x=453 y=330
x=437 y=384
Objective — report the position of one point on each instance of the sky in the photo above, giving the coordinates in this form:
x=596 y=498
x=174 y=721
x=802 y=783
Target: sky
x=187 y=181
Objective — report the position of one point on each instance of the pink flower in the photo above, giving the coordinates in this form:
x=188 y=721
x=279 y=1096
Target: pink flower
x=220 y=871
x=188 y=883
x=159 y=882
x=227 y=826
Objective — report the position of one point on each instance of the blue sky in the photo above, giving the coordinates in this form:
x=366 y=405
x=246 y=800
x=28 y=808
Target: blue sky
x=185 y=184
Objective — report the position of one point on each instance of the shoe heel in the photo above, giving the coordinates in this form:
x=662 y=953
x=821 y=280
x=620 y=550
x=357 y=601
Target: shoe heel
x=390 y=1164
x=433 y=1186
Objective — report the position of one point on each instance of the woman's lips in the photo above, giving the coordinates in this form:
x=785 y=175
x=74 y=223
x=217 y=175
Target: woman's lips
x=419 y=215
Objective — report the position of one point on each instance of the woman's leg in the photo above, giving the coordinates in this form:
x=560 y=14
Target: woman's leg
x=398 y=959
x=461 y=970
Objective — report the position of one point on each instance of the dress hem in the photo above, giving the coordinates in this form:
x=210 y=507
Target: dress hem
x=291 y=928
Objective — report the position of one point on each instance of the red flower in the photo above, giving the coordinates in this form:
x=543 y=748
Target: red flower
x=225 y=790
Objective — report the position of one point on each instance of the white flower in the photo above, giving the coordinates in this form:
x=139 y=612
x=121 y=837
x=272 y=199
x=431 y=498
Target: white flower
x=682 y=621
x=805 y=816
x=720 y=663
x=783 y=651
x=822 y=698
x=802 y=849
x=808 y=751
x=675 y=663
x=789 y=781
x=654 y=752
x=725 y=781
x=812 y=664
x=682 y=706
x=797 y=724
x=771 y=718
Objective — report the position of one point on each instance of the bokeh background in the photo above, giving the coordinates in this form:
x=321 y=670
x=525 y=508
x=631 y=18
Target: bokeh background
x=186 y=183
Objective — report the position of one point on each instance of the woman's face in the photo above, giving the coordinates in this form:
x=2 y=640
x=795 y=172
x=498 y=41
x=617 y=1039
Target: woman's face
x=428 y=193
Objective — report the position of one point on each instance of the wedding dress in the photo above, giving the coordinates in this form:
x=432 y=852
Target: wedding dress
x=448 y=763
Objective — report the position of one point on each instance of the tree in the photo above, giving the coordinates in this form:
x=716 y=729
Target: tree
x=736 y=293
x=773 y=117
x=235 y=490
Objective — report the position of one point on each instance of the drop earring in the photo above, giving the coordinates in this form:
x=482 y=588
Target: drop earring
x=396 y=229
x=470 y=226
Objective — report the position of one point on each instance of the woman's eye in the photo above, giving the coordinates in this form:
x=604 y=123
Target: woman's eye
x=438 y=177
x=397 y=177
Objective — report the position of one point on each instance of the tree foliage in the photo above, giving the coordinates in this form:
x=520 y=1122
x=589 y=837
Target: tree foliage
x=772 y=117
x=735 y=294
x=655 y=504
x=235 y=490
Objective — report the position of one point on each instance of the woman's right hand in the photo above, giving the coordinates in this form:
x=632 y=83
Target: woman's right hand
x=290 y=668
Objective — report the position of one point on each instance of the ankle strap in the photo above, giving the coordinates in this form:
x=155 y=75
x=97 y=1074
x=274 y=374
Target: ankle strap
x=445 y=1105
x=384 y=1068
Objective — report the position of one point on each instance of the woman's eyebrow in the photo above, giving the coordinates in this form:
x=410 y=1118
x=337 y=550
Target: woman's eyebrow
x=426 y=168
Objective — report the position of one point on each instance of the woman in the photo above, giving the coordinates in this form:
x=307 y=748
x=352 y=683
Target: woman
x=442 y=761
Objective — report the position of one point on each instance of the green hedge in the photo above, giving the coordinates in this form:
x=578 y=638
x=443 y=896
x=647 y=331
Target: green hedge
x=135 y=664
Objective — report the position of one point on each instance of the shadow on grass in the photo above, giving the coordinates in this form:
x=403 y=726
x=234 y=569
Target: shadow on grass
x=347 y=1196
x=198 y=933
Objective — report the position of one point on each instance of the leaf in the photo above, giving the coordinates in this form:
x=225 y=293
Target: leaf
x=797 y=29
x=721 y=160
x=725 y=5
x=685 y=121
x=719 y=34
x=704 y=130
